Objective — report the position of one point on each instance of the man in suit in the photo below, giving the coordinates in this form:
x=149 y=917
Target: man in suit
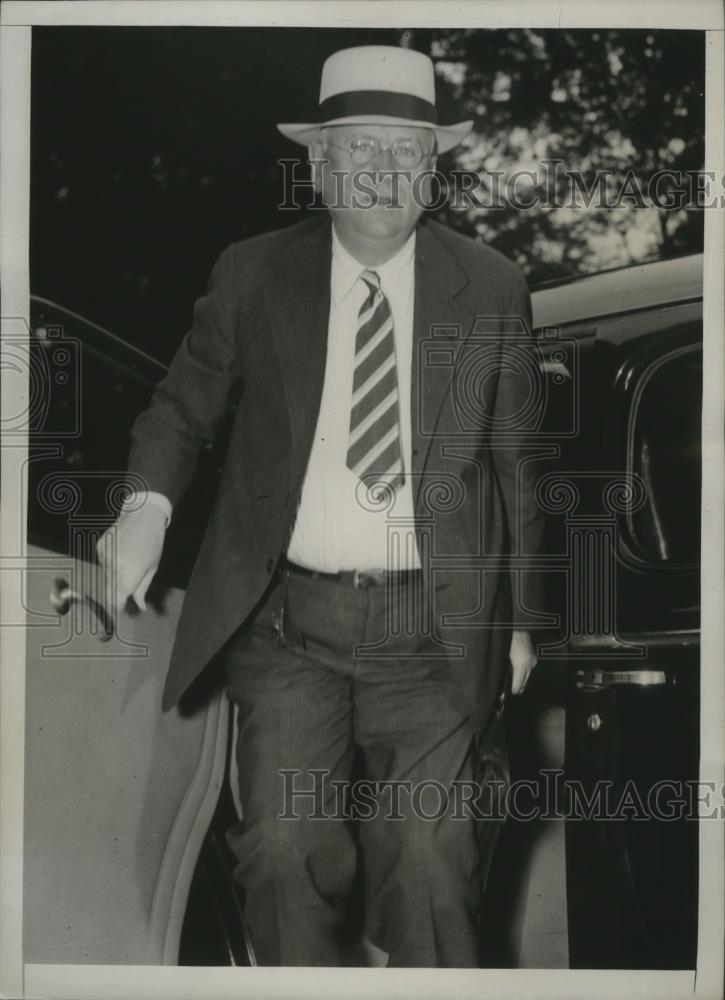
x=355 y=580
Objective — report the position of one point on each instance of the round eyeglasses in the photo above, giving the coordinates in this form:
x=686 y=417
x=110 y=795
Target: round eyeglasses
x=406 y=152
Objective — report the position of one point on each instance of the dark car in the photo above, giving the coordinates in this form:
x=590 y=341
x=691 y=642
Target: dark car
x=142 y=798
x=624 y=505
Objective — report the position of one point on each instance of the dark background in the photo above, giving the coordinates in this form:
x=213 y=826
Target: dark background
x=153 y=148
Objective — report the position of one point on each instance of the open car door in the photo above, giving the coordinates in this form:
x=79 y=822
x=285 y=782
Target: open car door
x=118 y=795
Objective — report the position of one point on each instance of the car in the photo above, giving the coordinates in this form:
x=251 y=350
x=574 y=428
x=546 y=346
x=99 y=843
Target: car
x=126 y=806
x=118 y=795
x=623 y=496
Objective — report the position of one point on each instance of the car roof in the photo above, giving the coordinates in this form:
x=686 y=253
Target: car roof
x=624 y=289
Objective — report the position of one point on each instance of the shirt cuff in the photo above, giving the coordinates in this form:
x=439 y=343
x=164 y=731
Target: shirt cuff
x=137 y=499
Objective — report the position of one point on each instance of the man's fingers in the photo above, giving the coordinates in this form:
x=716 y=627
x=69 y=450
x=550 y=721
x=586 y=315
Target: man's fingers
x=139 y=594
x=129 y=554
x=115 y=587
x=520 y=676
x=523 y=660
x=518 y=682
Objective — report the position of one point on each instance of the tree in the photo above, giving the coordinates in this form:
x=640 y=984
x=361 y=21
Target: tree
x=612 y=104
x=153 y=148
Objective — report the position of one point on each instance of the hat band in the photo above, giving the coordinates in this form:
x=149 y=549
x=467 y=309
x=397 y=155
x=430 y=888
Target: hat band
x=377 y=102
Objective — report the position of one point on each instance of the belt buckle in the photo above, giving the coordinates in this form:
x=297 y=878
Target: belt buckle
x=364 y=578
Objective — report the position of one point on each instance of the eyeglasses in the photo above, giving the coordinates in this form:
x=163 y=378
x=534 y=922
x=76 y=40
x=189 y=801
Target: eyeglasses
x=406 y=152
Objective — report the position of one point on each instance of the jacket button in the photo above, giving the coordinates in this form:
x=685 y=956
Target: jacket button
x=270 y=565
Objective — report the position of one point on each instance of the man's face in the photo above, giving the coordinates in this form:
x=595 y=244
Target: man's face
x=373 y=177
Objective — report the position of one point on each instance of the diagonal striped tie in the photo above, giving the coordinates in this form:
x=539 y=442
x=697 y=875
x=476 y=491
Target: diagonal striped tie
x=374 y=449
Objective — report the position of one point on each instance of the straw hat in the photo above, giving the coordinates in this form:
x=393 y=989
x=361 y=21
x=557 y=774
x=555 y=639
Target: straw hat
x=378 y=85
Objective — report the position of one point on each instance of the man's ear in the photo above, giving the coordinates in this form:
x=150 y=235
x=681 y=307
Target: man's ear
x=315 y=152
x=434 y=155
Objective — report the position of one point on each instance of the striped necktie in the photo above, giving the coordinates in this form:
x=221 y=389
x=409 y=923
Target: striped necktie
x=374 y=450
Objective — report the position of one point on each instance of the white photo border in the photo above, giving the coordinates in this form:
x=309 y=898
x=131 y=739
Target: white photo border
x=73 y=982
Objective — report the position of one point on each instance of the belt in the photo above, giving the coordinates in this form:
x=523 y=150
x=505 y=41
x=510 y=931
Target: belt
x=360 y=579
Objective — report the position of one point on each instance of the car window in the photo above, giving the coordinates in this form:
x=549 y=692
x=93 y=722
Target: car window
x=665 y=452
x=79 y=438
x=91 y=391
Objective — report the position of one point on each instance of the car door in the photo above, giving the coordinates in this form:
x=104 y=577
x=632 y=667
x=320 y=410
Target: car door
x=632 y=608
x=118 y=795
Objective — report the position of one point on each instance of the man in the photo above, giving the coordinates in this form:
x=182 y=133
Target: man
x=353 y=578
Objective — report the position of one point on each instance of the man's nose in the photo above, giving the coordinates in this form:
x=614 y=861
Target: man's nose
x=387 y=166
x=386 y=160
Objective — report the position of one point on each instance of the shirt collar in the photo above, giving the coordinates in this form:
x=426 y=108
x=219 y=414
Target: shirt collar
x=346 y=269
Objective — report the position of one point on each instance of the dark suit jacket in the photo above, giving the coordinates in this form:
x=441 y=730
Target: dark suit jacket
x=259 y=336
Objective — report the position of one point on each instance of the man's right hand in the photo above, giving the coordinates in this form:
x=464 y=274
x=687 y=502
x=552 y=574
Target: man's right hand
x=130 y=552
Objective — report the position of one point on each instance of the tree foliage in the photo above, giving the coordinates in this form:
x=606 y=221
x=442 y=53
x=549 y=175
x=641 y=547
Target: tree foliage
x=628 y=103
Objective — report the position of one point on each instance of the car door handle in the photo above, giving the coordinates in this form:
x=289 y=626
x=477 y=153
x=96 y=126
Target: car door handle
x=550 y=367
x=599 y=680
x=62 y=596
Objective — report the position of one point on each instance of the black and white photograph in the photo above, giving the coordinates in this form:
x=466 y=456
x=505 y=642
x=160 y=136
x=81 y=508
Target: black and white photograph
x=362 y=495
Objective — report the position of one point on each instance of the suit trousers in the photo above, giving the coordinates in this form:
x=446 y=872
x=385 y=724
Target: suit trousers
x=354 y=749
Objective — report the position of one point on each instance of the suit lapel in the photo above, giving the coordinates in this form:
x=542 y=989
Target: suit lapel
x=298 y=304
x=439 y=318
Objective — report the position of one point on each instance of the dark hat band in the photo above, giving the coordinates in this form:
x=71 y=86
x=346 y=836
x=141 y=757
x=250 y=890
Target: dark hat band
x=377 y=102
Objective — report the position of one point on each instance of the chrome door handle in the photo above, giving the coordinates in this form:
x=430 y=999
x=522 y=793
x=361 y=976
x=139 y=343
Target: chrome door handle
x=594 y=679
x=62 y=596
x=550 y=367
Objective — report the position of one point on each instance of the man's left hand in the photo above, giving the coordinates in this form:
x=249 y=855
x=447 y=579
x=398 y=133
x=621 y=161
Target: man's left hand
x=523 y=660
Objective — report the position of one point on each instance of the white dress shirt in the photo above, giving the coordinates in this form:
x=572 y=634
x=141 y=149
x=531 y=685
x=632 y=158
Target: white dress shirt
x=335 y=529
